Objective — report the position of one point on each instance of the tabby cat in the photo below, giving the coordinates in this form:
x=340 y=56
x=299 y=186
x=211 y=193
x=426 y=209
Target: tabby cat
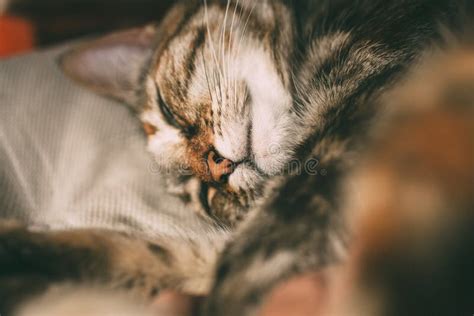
x=411 y=252
x=255 y=110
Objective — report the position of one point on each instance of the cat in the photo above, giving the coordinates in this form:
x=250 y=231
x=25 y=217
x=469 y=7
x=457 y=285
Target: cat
x=413 y=254
x=256 y=110
x=416 y=230
x=410 y=201
x=437 y=220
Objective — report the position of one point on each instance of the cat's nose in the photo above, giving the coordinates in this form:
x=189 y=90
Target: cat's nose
x=219 y=167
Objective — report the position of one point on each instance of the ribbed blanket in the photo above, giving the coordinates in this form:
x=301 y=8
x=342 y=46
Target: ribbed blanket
x=71 y=159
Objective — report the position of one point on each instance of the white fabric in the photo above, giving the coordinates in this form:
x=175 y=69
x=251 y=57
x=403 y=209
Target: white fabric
x=71 y=159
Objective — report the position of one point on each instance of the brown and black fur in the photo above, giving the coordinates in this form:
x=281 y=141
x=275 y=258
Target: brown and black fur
x=303 y=212
x=411 y=200
x=335 y=59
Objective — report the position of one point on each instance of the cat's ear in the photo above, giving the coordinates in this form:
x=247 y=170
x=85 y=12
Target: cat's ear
x=112 y=65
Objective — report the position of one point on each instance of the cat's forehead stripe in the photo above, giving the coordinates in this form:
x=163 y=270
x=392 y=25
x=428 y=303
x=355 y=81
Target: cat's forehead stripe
x=177 y=66
x=189 y=63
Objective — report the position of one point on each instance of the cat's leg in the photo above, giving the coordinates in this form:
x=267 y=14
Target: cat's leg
x=297 y=231
x=105 y=258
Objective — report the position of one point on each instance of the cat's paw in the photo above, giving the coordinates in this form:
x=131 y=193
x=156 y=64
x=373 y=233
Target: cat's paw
x=55 y=255
x=19 y=276
x=15 y=245
x=245 y=275
x=10 y=225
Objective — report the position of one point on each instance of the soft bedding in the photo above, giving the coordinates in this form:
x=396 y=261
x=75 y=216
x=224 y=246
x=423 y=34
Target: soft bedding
x=71 y=159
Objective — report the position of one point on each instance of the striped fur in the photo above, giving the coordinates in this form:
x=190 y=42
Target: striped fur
x=287 y=90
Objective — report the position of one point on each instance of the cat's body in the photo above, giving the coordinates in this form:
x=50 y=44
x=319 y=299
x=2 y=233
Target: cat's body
x=410 y=202
x=413 y=246
x=257 y=110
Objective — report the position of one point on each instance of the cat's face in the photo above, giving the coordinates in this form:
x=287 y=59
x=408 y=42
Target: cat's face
x=218 y=103
x=215 y=101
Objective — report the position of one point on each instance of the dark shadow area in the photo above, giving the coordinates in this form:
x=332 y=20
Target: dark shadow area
x=58 y=20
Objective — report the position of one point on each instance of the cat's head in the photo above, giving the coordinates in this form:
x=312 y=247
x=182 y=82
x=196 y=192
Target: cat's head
x=211 y=86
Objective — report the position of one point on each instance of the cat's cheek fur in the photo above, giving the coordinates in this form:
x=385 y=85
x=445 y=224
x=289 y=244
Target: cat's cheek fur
x=167 y=151
x=271 y=139
x=166 y=145
x=245 y=179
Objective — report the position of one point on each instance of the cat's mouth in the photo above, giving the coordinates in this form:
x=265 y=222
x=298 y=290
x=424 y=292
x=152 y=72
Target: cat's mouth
x=205 y=198
x=223 y=208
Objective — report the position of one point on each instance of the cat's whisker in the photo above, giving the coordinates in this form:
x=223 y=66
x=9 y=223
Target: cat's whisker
x=210 y=38
x=231 y=58
x=222 y=44
x=230 y=50
x=207 y=77
x=219 y=60
x=212 y=49
x=217 y=78
x=217 y=70
x=244 y=32
x=241 y=39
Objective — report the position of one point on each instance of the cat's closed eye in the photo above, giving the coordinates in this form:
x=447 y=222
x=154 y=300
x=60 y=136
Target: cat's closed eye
x=175 y=120
x=167 y=113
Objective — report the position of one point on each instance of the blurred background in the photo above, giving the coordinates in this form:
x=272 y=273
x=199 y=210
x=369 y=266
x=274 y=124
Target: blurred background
x=30 y=24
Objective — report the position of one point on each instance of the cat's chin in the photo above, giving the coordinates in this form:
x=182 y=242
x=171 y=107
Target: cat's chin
x=230 y=204
x=226 y=203
x=227 y=209
x=245 y=179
